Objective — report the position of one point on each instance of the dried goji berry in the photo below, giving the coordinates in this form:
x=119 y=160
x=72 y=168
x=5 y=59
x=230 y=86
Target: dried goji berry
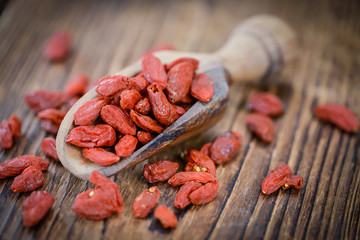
x=144 y=137
x=15 y=126
x=183 y=177
x=280 y=177
x=265 y=103
x=100 y=202
x=35 y=207
x=126 y=146
x=48 y=146
x=154 y=71
x=179 y=83
x=163 y=111
x=100 y=156
x=49 y=126
x=53 y=115
x=129 y=98
x=42 y=99
x=202 y=87
x=17 y=165
x=29 y=180
x=89 y=111
x=92 y=136
x=110 y=85
x=165 y=216
x=199 y=162
x=57 y=47
x=339 y=115
x=205 y=149
x=194 y=63
x=187 y=99
x=145 y=202
x=118 y=119
x=204 y=194
x=143 y=106
x=6 y=136
x=159 y=47
x=179 y=110
x=138 y=83
x=261 y=125
x=225 y=147
x=77 y=85
x=160 y=171
x=145 y=122
x=71 y=102
x=182 y=197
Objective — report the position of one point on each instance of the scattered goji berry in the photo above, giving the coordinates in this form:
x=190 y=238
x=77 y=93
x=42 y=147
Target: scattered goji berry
x=48 y=146
x=126 y=146
x=154 y=71
x=110 y=85
x=202 y=87
x=57 y=47
x=100 y=156
x=92 y=136
x=163 y=111
x=145 y=202
x=183 y=177
x=182 y=197
x=129 y=98
x=165 y=216
x=17 y=165
x=280 y=177
x=71 y=102
x=205 y=149
x=89 y=111
x=160 y=171
x=225 y=147
x=179 y=82
x=118 y=119
x=199 y=162
x=49 y=126
x=15 y=126
x=35 y=207
x=42 y=99
x=192 y=61
x=339 y=115
x=261 y=125
x=53 y=115
x=77 y=86
x=29 y=180
x=265 y=103
x=143 y=106
x=100 y=202
x=6 y=136
x=144 y=137
x=204 y=194
x=146 y=122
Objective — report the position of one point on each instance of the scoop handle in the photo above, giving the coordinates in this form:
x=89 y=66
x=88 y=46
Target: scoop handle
x=258 y=47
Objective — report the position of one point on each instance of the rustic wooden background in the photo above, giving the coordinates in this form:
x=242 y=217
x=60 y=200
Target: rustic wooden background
x=109 y=35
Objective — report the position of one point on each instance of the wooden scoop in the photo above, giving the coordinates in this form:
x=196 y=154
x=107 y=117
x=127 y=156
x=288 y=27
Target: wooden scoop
x=257 y=47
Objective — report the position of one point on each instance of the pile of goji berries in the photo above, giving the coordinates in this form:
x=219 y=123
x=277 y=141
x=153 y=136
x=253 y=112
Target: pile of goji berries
x=133 y=109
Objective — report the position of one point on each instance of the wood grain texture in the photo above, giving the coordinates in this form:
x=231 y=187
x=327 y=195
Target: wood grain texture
x=109 y=35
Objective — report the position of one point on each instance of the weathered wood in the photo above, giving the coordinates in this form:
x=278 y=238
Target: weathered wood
x=109 y=35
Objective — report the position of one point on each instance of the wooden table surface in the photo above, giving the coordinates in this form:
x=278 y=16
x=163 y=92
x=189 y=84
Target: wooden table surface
x=108 y=35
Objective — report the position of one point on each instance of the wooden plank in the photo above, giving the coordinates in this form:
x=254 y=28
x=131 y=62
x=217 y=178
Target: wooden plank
x=109 y=35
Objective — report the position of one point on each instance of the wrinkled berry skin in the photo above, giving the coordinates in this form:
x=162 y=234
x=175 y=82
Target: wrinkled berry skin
x=43 y=99
x=192 y=61
x=126 y=146
x=165 y=216
x=57 y=47
x=202 y=87
x=92 y=136
x=154 y=71
x=89 y=111
x=29 y=180
x=143 y=106
x=146 y=122
x=339 y=115
x=53 y=117
x=163 y=111
x=179 y=83
x=261 y=125
x=6 y=136
x=225 y=147
x=118 y=119
x=35 y=207
x=265 y=103
x=160 y=171
x=199 y=162
x=144 y=137
x=204 y=194
x=109 y=86
x=183 y=177
x=100 y=156
x=48 y=146
x=17 y=165
x=182 y=197
x=145 y=202
x=100 y=202
x=129 y=98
